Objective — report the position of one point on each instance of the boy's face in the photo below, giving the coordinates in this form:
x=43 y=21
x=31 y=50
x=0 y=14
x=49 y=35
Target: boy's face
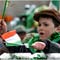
x=45 y=28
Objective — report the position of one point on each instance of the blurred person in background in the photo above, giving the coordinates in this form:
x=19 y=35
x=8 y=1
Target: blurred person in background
x=3 y=29
x=21 y=31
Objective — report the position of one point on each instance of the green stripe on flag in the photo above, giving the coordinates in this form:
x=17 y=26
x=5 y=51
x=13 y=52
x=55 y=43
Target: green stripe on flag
x=14 y=44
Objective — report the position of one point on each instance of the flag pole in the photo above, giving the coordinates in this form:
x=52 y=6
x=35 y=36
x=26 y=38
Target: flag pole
x=3 y=14
x=4 y=9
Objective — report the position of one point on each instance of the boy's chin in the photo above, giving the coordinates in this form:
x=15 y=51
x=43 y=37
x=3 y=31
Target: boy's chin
x=43 y=39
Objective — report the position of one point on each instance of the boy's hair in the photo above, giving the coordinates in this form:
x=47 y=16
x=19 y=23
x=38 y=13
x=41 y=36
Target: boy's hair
x=48 y=14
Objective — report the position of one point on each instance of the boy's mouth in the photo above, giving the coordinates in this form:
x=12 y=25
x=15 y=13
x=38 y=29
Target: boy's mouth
x=41 y=33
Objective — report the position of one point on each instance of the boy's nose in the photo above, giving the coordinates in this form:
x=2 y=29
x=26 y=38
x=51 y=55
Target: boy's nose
x=41 y=27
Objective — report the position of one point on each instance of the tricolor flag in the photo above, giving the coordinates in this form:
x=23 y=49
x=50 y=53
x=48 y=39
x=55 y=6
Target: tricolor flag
x=11 y=38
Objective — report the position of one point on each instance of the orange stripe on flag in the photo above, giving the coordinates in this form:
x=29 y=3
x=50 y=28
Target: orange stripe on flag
x=8 y=34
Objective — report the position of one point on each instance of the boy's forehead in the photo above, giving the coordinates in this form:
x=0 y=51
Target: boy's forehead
x=45 y=19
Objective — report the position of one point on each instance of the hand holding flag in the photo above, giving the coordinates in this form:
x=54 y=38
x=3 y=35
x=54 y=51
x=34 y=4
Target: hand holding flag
x=11 y=38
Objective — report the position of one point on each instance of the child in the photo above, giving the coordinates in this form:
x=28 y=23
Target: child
x=48 y=21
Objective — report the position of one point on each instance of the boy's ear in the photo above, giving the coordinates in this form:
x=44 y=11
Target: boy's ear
x=57 y=29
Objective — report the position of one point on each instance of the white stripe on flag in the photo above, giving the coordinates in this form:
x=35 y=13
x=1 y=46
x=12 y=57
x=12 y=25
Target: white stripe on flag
x=13 y=39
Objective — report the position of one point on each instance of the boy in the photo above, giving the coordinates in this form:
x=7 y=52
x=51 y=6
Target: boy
x=48 y=21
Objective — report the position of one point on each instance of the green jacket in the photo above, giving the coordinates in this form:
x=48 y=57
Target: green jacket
x=33 y=37
x=55 y=37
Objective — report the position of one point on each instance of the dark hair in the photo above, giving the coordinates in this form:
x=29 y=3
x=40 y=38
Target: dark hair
x=21 y=33
x=48 y=14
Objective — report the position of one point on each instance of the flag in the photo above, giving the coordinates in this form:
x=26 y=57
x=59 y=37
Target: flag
x=11 y=38
x=54 y=4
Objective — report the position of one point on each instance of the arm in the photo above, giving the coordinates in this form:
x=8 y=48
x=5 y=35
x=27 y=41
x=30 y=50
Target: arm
x=3 y=29
x=51 y=47
x=3 y=26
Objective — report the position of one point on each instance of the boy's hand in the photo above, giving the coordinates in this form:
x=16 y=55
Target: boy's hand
x=3 y=26
x=39 y=45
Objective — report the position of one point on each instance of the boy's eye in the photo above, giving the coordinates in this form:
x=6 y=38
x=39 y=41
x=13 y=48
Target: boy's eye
x=39 y=25
x=46 y=24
